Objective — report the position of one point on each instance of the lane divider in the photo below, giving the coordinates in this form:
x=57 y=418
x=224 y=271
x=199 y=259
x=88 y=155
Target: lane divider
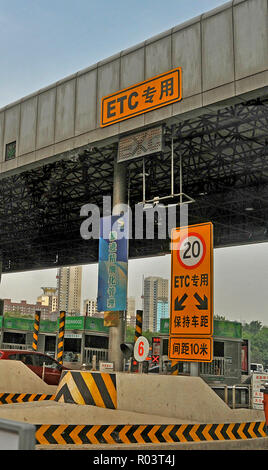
x=7 y=398
x=143 y=434
x=88 y=388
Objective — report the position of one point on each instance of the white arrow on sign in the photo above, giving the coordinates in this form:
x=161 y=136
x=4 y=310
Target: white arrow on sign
x=141 y=349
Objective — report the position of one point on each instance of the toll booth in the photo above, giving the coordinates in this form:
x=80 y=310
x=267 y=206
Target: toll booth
x=226 y=366
x=84 y=337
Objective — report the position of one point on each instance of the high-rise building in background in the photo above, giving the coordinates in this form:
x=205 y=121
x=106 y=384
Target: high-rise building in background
x=69 y=282
x=131 y=311
x=155 y=290
x=162 y=311
x=49 y=298
x=90 y=307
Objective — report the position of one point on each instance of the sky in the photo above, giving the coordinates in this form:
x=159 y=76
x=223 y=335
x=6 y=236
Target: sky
x=42 y=41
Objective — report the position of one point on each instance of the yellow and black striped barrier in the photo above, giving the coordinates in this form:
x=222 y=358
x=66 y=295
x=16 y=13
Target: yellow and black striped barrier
x=138 y=329
x=88 y=388
x=60 y=346
x=36 y=329
x=174 y=368
x=7 y=398
x=144 y=434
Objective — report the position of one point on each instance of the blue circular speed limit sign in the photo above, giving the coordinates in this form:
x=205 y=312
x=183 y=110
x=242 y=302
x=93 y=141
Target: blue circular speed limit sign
x=141 y=349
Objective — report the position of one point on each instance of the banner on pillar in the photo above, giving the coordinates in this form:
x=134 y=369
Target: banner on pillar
x=113 y=264
x=111 y=319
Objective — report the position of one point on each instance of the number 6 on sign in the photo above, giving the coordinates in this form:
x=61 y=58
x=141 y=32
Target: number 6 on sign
x=141 y=349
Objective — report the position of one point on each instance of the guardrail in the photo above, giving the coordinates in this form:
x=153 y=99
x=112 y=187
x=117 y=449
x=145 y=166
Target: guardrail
x=235 y=396
x=216 y=367
x=16 y=346
x=101 y=355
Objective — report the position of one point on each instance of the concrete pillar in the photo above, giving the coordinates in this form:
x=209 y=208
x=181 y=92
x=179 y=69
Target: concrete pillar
x=117 y=333
x=194 y=369
x=83 y=347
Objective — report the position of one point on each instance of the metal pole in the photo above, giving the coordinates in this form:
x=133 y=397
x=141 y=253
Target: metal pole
x=138 y=329
x=180 y=179
x=36 y=329
x=117 y=333
x=233 y=397
x=226 y=394
x=60 y=347
x=143 y=179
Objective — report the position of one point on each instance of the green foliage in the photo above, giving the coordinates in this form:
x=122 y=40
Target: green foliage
x=220 y=317
x=130 y=334
x=258 y=337
x=253 y=327
x=16 y=314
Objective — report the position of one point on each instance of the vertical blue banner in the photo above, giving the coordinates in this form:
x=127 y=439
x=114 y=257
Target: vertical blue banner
x=113 y=264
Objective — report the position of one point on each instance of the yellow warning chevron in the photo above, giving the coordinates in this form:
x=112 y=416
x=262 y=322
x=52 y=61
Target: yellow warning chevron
x=206 y=434
x=107 y=435
x=74 y=434
x=91 y=435
x=137 y=434
x=152 y=435
x=39 y=434
x=218 y=432
x=9 y=398
x=166 y=432
x=57 y=434
x=229 y=431
x=240 y=431
x=250 y=430
x=180 y=432
x=262 y=428
x=193 y=434
x=21 y=396
x=122 y=434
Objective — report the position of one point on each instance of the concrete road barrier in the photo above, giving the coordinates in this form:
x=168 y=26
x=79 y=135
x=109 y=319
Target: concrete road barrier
x=16 y=377
x=186 y=398
x=88 y=388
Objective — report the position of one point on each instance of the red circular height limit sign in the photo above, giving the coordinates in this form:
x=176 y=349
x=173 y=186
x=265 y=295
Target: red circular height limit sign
x=191 y=250
x=141 y=349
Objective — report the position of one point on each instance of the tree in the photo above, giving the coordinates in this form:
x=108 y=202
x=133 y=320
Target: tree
x=258 y=337
x=130 y=334
x=253 y=327
x=219 y=317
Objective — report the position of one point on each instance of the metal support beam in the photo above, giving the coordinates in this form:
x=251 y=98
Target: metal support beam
x=117 y=333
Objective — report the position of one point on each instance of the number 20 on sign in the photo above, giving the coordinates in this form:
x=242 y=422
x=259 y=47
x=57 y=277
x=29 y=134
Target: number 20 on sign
x=191 y=315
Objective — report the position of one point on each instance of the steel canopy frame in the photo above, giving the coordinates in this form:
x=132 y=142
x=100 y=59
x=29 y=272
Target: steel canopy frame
x=224 y=157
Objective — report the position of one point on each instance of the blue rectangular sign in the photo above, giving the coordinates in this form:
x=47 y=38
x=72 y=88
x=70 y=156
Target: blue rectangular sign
x=113 y=264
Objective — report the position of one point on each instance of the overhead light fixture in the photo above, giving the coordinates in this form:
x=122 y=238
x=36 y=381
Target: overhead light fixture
x=248 y=209
x=175 y=199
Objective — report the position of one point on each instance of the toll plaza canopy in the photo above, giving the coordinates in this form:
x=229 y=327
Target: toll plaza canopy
x=58 y=146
